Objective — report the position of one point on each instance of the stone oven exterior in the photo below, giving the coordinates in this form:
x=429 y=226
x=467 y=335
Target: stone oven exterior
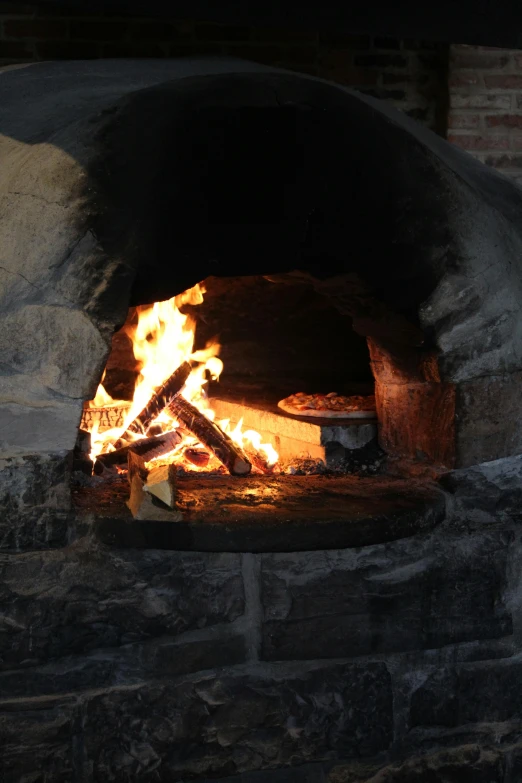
x=395 y=659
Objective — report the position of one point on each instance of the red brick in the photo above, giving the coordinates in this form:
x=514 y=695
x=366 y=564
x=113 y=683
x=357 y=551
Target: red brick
x=464 y=120
x=464 y=79
x=504 y=161
x=503 y=81
x=518 y=60
x=35 y=28
x=516 y=142
x=98 y=31
x=480 y=101
x=480 y=60
x=67 y=50
x=504 y=120
x=468 y=141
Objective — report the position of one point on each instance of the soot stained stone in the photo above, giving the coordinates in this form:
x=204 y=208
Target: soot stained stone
x=488 y=492
x=422 y=594
x=79 y=599
x=465 y=764
x=211 y=725
x=36 y=741
x=34 y=502
x=131 y=663
x=485 y=691
x=222 y=725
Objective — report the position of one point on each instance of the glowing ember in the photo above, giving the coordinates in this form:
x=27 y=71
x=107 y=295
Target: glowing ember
x=163 y=339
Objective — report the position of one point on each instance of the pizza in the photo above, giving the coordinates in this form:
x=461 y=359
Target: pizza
x=329 y=406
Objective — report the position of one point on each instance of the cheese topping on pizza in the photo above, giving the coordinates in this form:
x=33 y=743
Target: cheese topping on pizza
x=328 y=404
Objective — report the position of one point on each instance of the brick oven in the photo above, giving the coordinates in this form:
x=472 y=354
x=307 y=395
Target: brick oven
x=351 y=614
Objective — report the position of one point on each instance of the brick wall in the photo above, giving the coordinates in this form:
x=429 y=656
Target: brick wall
x=412 y=75
x=485 y=116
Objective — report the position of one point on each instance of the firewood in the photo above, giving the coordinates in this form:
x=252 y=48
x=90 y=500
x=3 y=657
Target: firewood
x=210 y=435
x=161 y=482
x=198 y=457
x=159 y=400
x=259 y=461
x=141 y=503
x=136 y=474
x=136 y=467
x=148 y=448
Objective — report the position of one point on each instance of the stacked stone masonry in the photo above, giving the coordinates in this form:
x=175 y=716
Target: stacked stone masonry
x=485 y=116
x=122 y=665
x=410 y=74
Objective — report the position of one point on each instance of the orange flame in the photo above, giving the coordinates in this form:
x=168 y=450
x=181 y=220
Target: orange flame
x=163 y=339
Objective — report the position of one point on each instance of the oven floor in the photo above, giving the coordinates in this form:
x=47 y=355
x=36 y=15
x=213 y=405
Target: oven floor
x=261 y=513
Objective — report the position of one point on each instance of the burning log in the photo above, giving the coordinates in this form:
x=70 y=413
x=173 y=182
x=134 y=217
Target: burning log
x=159 y=399
x=259 y=460
x=210 y=435
x=198 y=457
x=147 y=448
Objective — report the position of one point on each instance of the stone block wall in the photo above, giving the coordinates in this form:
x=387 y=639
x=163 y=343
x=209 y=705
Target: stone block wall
x=398 y=661
x=412 y=75
x=485 y=116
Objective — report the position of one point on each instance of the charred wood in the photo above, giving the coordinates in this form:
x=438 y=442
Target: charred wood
x=198 y=457
x=210 y=435
x=147 y=448
x=159 y=400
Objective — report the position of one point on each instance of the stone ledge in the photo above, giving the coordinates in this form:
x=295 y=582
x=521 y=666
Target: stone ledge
x=277 y=514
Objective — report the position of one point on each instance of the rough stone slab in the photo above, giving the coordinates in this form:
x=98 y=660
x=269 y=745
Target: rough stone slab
x=465 y=764
x=79 y=599
x=482 y=692
x=226 y=724
x=291 y=436
x=487 y=493
x=265 y=513
x=34 y=502
x=213 y=725
x=486 y=430
x=415 y=594
x=35 y=738
x=163 y=657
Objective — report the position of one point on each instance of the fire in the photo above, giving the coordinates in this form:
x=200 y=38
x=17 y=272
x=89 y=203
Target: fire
x=162 y=339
